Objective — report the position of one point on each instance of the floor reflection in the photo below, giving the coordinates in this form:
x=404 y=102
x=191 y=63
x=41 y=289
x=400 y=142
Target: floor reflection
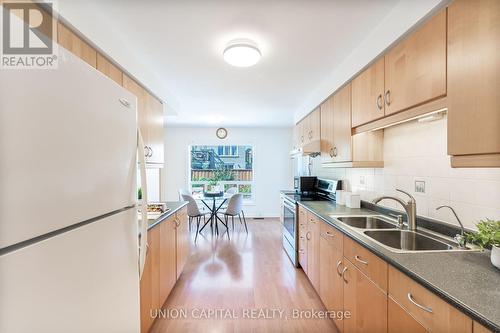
x=239 y=272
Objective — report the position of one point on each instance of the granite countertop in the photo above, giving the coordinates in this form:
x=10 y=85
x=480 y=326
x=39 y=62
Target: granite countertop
x=466 y=280
x=173 y=206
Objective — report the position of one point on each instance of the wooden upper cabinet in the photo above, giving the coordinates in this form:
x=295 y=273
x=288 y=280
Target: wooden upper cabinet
x=150 y=120
x=474 y=82
x=107 y=68
x=342 y=125
x=415 y=69
x=168 y=275
x=336 y=127
x=314 y=125
x=326 y=111
x=368 y=94
x=299 y=132
x=70 y=41
x=309 y=129
x=366 y=303
x=155 y=130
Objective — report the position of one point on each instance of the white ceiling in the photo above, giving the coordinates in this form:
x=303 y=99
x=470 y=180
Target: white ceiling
x=175 y=48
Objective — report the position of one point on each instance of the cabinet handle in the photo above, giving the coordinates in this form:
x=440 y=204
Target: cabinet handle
x=331 y=152
x=302 y=138
x=307 y=235
x=301 y=251
x=329 y=234
x=360 y=260
x=425 y=308
x=387 y=97
x=124 y=102
x=310 y=134
x=338 y=265
x=146 y=149
x=343 y=275
x=150 y=152
x=335 y=151
x=379 y=102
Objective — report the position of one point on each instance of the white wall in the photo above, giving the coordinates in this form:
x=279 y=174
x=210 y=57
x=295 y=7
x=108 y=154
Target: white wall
x=404 y=17
x=272 y=168
x=417 y=151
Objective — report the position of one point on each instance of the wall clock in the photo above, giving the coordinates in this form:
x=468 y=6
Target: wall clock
x=221 y=133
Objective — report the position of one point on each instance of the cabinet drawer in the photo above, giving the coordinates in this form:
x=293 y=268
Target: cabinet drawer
x=367 y=262
x=332 y=236
x=431 y=311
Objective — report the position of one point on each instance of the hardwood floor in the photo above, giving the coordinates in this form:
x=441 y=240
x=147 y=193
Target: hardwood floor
x=225 y=282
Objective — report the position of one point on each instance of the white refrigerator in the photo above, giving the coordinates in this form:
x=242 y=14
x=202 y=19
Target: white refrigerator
x=68 y=209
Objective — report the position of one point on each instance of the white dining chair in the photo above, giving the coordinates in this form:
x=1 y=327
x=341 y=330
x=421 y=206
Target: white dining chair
x=183 y=191
x=193 y=211
x=232 y=190
x=235 y=208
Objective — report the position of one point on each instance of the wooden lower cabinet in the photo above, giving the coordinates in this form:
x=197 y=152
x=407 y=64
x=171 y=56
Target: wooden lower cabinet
x=374 y=296
x=302 y=239
x=182 y=240
x=331 y=285
x=478 y=328
x=313 y=250
x=401 y=321
x=168 y=250
x=431 y=311
x=168 y=275
x=365 y=301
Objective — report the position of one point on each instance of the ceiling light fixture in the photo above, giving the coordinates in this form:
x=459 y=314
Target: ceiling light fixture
x=242 y=53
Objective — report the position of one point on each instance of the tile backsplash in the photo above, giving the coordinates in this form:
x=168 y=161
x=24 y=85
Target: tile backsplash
x=416 y=161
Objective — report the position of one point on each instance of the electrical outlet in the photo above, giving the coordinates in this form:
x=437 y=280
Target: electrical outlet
x=419 y=186
x=362 y=180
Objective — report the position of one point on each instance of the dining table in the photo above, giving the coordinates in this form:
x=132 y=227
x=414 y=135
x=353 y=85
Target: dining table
x=214 y=202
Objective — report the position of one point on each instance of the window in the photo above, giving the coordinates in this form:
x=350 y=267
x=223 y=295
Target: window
x=227 y=169
x=227 y=151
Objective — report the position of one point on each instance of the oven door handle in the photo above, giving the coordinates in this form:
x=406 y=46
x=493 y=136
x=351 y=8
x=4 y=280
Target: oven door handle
x=289 y=206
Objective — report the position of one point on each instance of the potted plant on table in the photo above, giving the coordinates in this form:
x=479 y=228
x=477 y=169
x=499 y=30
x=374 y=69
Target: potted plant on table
x=488 y=236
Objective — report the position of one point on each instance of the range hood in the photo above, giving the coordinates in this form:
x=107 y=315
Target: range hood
x=312 y=148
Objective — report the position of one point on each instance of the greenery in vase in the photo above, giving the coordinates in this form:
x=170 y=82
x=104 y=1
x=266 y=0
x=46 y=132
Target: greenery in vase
x=487 y=235
x=139 y=193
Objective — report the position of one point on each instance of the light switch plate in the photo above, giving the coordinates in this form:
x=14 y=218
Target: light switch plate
x=419 y=186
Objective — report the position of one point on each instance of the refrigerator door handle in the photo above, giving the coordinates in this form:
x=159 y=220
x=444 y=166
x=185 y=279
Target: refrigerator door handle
x=143 y=228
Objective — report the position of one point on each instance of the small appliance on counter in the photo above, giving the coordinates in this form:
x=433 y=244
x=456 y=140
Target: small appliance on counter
x=304 y=184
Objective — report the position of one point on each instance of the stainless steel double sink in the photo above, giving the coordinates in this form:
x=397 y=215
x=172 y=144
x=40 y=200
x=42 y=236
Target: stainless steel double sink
x=384 y=231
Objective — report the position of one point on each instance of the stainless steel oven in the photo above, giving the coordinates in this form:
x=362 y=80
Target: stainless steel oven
x=289 y=216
